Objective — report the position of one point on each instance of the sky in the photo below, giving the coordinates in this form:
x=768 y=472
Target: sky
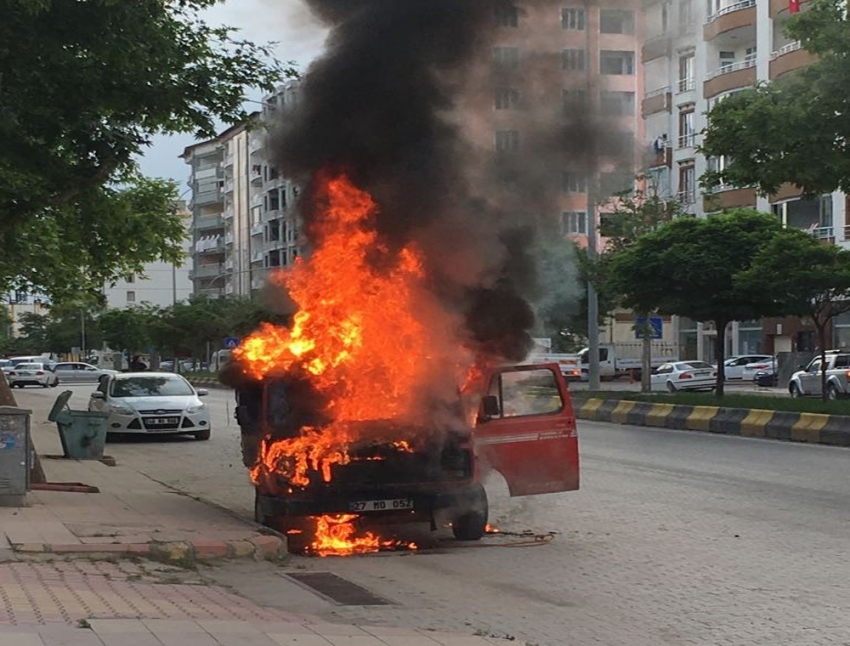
x=286 y=22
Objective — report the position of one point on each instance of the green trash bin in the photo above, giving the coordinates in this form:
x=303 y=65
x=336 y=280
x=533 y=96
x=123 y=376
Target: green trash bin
x=83 y=433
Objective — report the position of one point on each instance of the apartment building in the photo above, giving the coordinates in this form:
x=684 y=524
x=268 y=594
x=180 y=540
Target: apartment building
x=243 y=223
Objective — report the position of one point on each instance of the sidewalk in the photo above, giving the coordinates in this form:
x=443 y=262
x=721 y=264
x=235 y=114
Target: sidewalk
x=84 y=603
x=131 y=515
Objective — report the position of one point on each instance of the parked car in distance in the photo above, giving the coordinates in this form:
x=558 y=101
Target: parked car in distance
x=152 y=403
x=768 y=366
x=32 y=374
x=683 y=375
x=6 y=365
x=733 y=367
x=76 y=372
x=807 y=381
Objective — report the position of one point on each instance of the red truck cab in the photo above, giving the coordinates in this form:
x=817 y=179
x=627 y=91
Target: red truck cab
x=522 y=425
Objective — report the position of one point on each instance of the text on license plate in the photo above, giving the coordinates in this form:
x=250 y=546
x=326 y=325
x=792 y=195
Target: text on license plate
x=160 y=421
x=381 y=505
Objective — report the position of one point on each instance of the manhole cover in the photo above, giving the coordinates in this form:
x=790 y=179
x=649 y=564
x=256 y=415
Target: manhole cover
x=337 y=589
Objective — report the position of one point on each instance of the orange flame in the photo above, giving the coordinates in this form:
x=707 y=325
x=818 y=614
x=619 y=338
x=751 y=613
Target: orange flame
x=336 y=535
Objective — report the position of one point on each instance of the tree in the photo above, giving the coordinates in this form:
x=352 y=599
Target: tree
x=811 y=277
x=794 y=129
x=688 y=267
x=129 y=329
x=557 y=307
x=633 y=214
x=77 y=109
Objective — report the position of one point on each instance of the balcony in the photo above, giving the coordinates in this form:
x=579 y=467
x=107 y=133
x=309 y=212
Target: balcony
x=735 y=16
x=209 y=222
x=209 y=247
x=228 y=213
x=823 y=233
x=778 y=7
x=686 y=140
x=256 y=144
x=271 y=214
x=257 y=229
x=725 y=197
x=688 y=197
x=257 y=256
x=206 y=271
x=685 y=85
x=228 y=239
x=656 y=46
x=207 y=197
x=257 y=176
x=658 y=158
x=789 y=58
x=228 y=264
x=228 y=186
x=730 y=77
x=660 y=100
x=256 y=201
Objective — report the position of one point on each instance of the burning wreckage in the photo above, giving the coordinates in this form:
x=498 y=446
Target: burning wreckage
x=397 y=384
x=344 y=414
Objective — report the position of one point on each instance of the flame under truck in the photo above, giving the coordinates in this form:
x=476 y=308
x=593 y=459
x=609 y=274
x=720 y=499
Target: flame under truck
x=524 y=428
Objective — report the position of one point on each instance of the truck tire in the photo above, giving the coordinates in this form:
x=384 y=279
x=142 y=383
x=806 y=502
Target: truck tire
x=250 y=449
x=202 y=436
x=794 y=390
x=832 y=392
x=471 y=522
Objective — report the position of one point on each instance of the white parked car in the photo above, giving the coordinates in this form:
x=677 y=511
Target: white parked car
x=152 y=403
x=32 y=374
x=733 y=367
x=768 y=366
x=75 y=372
x=683 y=375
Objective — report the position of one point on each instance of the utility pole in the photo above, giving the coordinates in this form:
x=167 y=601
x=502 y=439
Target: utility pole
x=592 y=188
x=83 y=335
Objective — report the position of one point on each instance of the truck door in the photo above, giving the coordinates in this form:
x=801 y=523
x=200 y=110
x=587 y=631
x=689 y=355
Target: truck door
x=526 y=430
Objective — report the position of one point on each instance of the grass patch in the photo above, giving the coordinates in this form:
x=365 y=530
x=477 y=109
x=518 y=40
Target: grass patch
x=733 y=400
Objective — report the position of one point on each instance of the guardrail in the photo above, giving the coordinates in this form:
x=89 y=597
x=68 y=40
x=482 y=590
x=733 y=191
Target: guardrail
x=731 y=67
x=738 y=6
x=787 y=49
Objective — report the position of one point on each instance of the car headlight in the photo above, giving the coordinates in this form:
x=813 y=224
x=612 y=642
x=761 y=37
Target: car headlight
x=196 y=408
x=121 y=410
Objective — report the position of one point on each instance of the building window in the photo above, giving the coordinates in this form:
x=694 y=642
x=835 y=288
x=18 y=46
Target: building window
x=686 y=127
x=615 y=62
x=507 y=57
x=574 y=99
x=617 y=104
x=574 y=182
x=686 y=16
x=507 y=99
x=573 y=59
x=687 y=185
x=130 y=278
x=131 y=297
x=572 y=18
x=507 y=140
x=686 y=73
x=574 y=222
x=616 y=21
x=507 y=16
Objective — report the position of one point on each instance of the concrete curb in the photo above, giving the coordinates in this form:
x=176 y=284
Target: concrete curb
x=833 y=430
x=184 y=553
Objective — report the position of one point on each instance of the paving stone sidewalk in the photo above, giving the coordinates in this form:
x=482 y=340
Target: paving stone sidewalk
x=131 y=514
x=83 y=603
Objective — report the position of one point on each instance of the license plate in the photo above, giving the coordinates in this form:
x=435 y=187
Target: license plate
x=25 y=374
x=160 y=421
x=701 y=373
x=381 y=505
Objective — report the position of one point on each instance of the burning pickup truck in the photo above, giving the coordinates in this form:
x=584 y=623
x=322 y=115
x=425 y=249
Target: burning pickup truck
x=523 y=427
x=379 y=400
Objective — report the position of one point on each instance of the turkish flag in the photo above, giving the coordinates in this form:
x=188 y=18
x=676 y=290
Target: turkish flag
x=793 y=6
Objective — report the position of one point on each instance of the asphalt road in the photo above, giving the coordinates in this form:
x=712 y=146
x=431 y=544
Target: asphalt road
x=675 y=538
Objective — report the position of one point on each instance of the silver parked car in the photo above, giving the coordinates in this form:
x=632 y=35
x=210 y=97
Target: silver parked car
x=152 y=403
x=683 y=375
x=76 y=372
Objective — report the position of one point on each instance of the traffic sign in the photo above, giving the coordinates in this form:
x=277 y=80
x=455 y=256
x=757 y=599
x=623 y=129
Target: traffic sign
x=656 y=327
x=231 y=342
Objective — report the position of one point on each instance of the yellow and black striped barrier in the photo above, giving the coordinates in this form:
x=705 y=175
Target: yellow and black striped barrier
x=778 y=425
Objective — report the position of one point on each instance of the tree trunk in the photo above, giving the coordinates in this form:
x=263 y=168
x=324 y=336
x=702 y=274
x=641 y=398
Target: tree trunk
x=720 y=356
x=821 y=328
x=646 y=357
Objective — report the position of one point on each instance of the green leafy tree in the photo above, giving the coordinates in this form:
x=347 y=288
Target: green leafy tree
x=796 y=128
x=631 y=215
x=32 y=329
x=689 y=267
x=129 y=329
x=560 y=298
x=811 y=277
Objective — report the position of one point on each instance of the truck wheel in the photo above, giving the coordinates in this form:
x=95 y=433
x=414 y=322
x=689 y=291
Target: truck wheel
x=250 y=449
x=202 y=435
x=832 y=392
x=794 y=390
x=471 y=522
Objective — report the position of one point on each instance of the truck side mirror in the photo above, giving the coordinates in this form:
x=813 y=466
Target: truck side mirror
x=490 y=407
